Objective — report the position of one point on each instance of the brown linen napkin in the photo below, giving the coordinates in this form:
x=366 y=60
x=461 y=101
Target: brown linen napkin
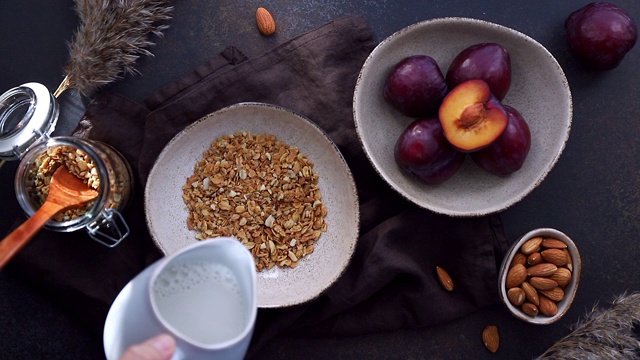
x=392 y=273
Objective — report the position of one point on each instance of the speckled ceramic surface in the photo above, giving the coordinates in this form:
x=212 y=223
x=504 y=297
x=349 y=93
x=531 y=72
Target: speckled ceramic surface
x=569 y=291
x=166 y=212
x=539 y=91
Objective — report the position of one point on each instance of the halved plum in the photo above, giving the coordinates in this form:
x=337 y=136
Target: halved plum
x=423 y=151
x=471 y=117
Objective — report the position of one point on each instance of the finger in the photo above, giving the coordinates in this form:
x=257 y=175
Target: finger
x=160 y=347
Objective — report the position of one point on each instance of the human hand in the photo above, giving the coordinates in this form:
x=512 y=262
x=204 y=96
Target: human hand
x=160 y=347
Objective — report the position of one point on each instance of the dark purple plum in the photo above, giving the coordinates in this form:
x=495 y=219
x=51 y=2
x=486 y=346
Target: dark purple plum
x=508 y=152
x=415 y=86
x=600 y=34
x=423 y=151
x=487 y=61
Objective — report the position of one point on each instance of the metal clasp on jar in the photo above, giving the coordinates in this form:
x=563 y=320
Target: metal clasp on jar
x=109 y=228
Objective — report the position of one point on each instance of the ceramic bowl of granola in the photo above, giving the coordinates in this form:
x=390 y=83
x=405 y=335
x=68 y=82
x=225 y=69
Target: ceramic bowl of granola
x=539 y=276
x=272 y=179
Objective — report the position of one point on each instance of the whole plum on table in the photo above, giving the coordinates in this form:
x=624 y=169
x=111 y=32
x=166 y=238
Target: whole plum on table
x=508 y=152
x=423 y=151
x=600 y=34
x=486 y=61
x=415 y=86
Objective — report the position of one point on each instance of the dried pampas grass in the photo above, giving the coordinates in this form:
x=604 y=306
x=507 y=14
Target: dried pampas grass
x=613 y=333
x=112 y=35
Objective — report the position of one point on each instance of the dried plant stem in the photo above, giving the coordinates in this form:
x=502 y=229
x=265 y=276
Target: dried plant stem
x=112 y=35
x=605 y=334
x=64 y=85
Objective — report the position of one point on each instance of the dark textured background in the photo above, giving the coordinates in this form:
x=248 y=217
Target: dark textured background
x=592 y=194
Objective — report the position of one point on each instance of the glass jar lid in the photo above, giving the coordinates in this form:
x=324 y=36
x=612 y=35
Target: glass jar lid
x=27 y=114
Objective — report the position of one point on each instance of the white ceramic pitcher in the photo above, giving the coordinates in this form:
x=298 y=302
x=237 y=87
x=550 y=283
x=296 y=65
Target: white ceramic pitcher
x=204 y=295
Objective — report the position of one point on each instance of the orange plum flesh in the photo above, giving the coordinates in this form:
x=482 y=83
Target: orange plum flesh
x=471 y=117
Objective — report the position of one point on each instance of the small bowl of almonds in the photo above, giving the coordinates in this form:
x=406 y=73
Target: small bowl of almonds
x=539 y=276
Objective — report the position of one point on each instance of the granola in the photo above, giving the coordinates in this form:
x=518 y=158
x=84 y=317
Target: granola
x=261 y=191
x=79 y=164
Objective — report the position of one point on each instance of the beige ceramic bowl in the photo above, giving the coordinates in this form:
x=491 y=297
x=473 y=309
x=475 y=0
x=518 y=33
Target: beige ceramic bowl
x=539 y=91
x=166 y=212
x=570 y=289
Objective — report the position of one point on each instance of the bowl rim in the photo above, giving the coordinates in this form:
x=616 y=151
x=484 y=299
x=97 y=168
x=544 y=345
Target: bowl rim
x=570 y=290
x=448 y=211
x=319 y=133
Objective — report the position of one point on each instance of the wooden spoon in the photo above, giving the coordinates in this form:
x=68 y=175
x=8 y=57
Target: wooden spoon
x=65 y=191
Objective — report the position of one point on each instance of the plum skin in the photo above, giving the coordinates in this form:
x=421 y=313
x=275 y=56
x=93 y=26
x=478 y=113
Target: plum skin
x=509 y=151
x=415 y=86
x=600 y=34
x=423 y=151
x=490 y=62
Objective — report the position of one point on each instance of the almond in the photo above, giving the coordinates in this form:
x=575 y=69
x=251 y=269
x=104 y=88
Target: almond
x=518 y=258
x=556 y=294
x=534 y=259
x=551 y=243
x=491 y=338
x=516 y=276
x=530 y=292
x=554 y=256
x=444 y=279
x=532 y=245
x=516 y=296
x=542 y=269
x=569 y=263
x=562 y=276
x=265 y=21
x=529 y=309
x=547 y=306
x=542 y=283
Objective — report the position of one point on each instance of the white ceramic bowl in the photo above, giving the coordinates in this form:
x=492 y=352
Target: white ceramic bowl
x=569 y=290
x=166 y=212
x=539 y=91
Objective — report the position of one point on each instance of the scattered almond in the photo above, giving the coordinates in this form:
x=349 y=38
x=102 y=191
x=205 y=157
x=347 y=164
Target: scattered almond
x=265 y=21
x=542 y=283
x=532 y=245
x=444 y=279
x=516 y=276
x=516 y=296
x=491 y=338
x=542 y=269
x=554 y=256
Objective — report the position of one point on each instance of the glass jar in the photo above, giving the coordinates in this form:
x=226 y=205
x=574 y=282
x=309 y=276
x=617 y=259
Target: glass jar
x=28 y=115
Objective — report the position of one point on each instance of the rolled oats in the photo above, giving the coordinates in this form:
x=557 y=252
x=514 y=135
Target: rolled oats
x=260 y=190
